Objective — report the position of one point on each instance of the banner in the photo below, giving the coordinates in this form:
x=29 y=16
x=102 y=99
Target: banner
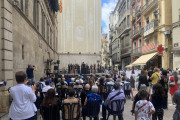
x=60 y=6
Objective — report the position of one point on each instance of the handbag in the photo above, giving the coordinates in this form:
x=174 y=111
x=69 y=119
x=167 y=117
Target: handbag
x=172 y=83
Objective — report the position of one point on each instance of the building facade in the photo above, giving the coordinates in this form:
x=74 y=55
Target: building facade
x=104 y=50
x=137 y=21
x=28 y=36
x=175 y=33
x=157 y=21
x=80 y=32
x=121 y=36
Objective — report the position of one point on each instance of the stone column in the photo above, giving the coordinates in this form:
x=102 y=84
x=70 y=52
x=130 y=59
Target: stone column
x=6 y=49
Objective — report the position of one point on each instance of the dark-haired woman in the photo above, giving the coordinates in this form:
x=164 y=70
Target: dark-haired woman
x=142 y=79
x=50 y=100
x=157 y=100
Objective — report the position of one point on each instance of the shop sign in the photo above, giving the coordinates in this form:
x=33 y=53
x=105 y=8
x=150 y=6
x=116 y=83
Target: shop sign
x=148 y=47
x=176 y=44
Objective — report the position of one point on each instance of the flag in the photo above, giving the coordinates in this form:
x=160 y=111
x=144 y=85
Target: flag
x=60 y=6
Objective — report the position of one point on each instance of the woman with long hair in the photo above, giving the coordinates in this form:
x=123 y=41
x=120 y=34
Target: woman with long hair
x=50 y=100
x=142 y=79
x=173 y=87
x=176 y=100
x=157 y=101
x=132 y=79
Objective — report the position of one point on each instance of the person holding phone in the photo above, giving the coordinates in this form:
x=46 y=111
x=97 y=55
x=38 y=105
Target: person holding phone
x=22 y=107
x=30 y=71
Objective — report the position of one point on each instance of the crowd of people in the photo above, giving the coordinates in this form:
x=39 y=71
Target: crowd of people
x=85 y=68
x=151 y=99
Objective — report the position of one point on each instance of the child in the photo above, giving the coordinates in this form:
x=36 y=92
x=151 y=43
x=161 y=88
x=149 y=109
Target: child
x=157 y=101
x=143 y=109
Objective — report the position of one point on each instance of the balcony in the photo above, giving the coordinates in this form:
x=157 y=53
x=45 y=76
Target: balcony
x=136 y=51
x=149 y=5
x=132 y=2
x=148 y=29
x=136 y=32
x=138 y=11
x=133 y=15
x=110 y=36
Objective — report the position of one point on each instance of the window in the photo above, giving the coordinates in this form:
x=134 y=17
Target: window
x=147 y=20
x=120 y=16
x=36 y=14
x=22 y=5
x=125 y=23
x=147 y=2
x=50 y=37
x=128 y=4
x=125 y=9
x=128 y=20
x=179 y=13
x=47 y=30
x=140 y=44
x=147 y=42
x=43 y=24
x=22 y=52
x=26 y=7
x=155 y=15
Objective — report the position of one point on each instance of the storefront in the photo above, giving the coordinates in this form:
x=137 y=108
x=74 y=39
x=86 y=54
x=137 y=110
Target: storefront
x=125 y=61
x=147 y=61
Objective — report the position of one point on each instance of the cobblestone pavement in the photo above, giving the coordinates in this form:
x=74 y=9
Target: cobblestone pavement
x=127 y=114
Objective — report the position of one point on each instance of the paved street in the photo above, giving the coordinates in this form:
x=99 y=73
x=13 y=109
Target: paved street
x=127 y=114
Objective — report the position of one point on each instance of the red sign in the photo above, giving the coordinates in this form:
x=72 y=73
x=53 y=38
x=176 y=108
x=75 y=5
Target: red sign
x=160 y=54
x=160 y=49
x=148 y=47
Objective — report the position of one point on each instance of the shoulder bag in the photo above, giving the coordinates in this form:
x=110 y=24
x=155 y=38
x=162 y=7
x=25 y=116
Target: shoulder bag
x=172 y=83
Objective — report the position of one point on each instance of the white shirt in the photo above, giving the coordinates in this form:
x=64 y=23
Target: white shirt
x=110 y=83
x=81 y=80
x=46 y=88
x=43 y=84
x=22 y=106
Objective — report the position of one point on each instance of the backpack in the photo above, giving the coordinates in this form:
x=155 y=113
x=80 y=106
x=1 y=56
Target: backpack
x=131 y=79
x=127 y=86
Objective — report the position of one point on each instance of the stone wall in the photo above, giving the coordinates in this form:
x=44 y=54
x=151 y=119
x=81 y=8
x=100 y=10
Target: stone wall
x=22 y=42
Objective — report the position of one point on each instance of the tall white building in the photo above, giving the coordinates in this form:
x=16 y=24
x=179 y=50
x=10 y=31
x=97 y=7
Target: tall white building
x=80 y=32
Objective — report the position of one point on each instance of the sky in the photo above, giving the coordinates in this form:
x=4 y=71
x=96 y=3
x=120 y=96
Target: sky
x=107 y=7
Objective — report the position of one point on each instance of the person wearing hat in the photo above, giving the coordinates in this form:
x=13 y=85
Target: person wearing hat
x=138 y=97
x=164 y=82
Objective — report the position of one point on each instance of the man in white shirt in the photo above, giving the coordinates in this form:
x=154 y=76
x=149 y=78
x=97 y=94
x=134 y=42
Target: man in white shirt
x=47 y=87
x=64 y=81
x=22 y=107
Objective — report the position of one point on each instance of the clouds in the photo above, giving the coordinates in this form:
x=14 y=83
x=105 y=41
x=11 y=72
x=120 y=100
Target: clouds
x=107 y=7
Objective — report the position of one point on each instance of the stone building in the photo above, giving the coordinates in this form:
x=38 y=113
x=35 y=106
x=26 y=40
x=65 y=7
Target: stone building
x=79 y=32
x=28 y=35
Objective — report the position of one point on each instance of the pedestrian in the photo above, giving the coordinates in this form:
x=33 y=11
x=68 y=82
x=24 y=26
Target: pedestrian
x=150 y=72
x=176 y=100
x=143 y=108
x=137 y=82
x=164 y=83
x=155 y=77
x=157 y=101
x=173 y=85
x=142 y=79
x=132 y=79
x=29 y=72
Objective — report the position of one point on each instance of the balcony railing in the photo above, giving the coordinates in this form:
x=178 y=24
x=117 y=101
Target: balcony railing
x=137 y=50
x=148 y=4
x=149 y=47
x=138 y=10
x=136 y=30
x=152 y=24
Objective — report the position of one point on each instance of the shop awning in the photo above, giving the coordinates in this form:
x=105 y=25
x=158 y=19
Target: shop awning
x=144 y=59
x=128 y=66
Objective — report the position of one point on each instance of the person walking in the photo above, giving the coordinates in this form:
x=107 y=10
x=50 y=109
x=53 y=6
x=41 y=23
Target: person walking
x=157 y=101
x=132 y=80
x=155 y=77
x=173 y=85
x=176 y=100
x=142 y=79
x=29 y=72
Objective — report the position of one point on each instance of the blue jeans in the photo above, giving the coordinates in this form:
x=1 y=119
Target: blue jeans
x=32 y=79
x=32 y=118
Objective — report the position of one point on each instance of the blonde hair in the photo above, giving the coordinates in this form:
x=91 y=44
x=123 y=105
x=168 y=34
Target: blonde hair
x=59 y=79
x=146 y=73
